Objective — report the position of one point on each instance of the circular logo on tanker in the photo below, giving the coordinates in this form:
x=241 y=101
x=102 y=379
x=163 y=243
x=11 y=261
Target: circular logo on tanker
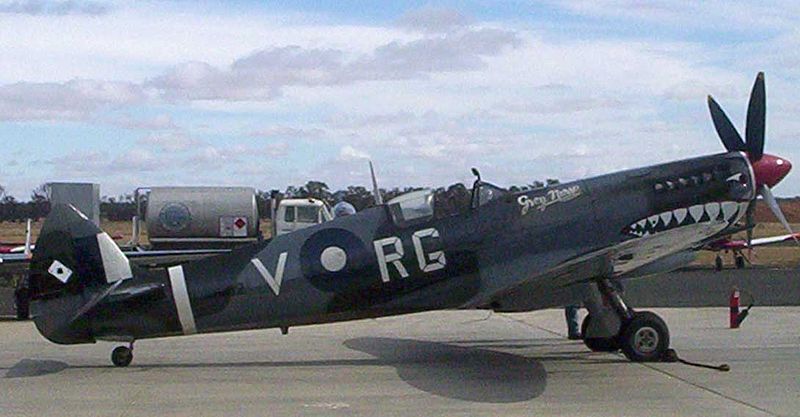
x=335 y=260
x=174 y=217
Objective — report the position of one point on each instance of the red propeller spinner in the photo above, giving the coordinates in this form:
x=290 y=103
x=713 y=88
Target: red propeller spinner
x=770 y=170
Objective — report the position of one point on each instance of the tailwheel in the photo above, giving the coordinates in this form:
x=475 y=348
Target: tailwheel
x=122 y=356
x=597 y=344
x=645 y=338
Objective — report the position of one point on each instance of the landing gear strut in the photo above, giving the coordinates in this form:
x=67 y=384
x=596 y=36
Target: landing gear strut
x=643 y=336
x=122 y=356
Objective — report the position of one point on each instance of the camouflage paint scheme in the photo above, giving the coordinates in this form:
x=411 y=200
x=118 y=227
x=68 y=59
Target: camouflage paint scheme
x=513 y=252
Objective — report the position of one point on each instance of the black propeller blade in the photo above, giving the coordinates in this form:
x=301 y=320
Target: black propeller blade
x=756 y=122
x=756 y=119
x=725 y=129
x=754 y=146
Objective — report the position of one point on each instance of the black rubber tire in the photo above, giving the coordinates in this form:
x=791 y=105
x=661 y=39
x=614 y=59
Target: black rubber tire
x=121 y=356
x=740 y=262
x=645 y=338
x=718 y=263
x=598 y=344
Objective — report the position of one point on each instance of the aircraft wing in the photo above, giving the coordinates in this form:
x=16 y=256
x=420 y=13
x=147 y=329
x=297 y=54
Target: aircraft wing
x=568 y=282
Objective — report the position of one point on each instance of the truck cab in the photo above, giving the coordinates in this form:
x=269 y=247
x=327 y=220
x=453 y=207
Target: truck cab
x=299 y=213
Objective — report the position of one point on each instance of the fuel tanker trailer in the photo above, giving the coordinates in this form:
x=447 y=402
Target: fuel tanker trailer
x=198 y=217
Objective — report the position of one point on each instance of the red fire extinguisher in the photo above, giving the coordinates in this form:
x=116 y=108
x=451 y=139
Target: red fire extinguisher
x=734 y=304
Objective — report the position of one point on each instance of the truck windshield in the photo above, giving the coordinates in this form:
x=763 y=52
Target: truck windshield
x=289 y=216
x=307 y=214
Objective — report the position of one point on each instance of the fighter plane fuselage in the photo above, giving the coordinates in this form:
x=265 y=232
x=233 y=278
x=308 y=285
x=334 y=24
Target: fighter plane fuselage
x=381 y=262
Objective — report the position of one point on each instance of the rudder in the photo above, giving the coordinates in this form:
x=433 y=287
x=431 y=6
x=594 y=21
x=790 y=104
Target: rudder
x=71 y=254
x=72 y=263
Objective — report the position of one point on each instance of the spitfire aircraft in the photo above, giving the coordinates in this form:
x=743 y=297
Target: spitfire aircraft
x=506 y=251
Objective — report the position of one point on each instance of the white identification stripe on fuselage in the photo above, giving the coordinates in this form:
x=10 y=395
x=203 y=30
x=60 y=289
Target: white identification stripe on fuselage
x=181 y=296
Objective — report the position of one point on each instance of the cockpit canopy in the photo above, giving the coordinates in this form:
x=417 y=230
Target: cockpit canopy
x=413 y=207
x=421 y=205
x=487 y=192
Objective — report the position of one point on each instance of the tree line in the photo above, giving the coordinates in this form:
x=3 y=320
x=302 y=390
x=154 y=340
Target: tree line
x=121 y=208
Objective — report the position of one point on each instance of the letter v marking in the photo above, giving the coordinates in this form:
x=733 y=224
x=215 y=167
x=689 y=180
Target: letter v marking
x=274 y=283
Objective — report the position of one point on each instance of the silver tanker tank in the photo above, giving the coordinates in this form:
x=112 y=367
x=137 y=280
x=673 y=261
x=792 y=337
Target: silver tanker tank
x=201 y=217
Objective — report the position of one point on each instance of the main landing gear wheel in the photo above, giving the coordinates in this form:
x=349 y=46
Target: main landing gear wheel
x=718 y=263
x=122 y=356
x=597 y=344
x=739 y=261
x=645 y=338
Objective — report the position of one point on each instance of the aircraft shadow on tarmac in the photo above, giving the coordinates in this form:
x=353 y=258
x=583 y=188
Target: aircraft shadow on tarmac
x=464 y=373
x=443 y=369
x=35 y=367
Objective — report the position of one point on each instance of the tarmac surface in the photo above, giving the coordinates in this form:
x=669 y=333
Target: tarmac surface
x=468 y=363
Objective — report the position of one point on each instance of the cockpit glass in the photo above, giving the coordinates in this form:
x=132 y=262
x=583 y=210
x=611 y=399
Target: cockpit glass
x=411 y=207
x=489 y=192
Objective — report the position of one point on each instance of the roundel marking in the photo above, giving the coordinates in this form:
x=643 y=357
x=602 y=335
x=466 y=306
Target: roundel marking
x=336 y=260
x=333 y=259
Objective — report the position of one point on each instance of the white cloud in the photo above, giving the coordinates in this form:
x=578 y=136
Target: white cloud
x=158 y=122
x=263 y=74
x=159 y=35
x=277 y=149
x=433 y=19
x=288 y=132
x=718 y=14
x=57 y=8
x=138 y=160
x=102 y=164
x=75 y=99
x=171 y=141
x=349 y=153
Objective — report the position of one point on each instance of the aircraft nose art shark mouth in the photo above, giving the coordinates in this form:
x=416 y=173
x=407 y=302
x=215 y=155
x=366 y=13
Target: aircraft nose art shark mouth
x=727 y=212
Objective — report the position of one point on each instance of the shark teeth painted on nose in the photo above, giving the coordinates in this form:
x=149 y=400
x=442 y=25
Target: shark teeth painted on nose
x=726 y=211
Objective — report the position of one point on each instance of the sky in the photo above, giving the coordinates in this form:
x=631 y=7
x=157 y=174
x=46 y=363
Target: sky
x=270 y=94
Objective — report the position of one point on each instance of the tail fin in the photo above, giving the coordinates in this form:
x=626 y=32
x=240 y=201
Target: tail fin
x=72 y=253
x=72 y=261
